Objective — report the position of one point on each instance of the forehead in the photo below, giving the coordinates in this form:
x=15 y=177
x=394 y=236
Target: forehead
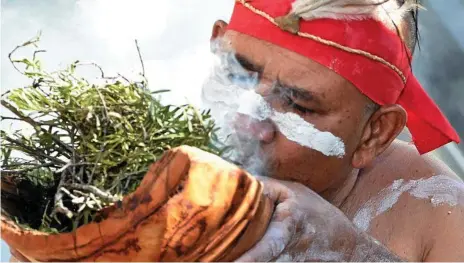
x=294 y=69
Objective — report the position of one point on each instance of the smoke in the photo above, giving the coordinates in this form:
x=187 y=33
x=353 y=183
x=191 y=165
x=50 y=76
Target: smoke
x=226 y=92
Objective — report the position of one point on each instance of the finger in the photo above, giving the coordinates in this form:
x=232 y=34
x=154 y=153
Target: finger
x=274 y=189
x=270 y=246
x=279 y=234
x=287 y=211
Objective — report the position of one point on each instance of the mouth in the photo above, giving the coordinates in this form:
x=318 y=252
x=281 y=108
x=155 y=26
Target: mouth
x=256 y=160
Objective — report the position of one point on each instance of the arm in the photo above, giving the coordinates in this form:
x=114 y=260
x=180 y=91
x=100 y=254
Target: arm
x=305 y=227
x=447 y=237
x=368 y=249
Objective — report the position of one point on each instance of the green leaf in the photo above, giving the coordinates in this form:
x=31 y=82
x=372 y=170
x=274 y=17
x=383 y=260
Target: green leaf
x=116 y=128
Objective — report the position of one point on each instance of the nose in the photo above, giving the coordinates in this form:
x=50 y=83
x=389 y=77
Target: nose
x=264 y=131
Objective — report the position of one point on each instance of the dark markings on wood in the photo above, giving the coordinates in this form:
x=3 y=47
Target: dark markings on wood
x=98 y=251
x=201 y=227
x=130 y=244
x=133 y=203
x=146 y=199
x=187 y=221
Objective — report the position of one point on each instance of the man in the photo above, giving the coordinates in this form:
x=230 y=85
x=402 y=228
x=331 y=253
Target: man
x=340 y=71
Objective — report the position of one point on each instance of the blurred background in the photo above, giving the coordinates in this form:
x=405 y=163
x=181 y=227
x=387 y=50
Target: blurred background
x=439 y=67
x=174 y=40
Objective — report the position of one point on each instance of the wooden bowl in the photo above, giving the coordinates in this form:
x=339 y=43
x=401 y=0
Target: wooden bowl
x=190 y=206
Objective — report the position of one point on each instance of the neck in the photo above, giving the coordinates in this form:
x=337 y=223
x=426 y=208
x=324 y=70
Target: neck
x=338 y=194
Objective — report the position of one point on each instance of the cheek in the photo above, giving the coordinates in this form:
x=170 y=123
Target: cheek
x=350 y=127
x=291 y=161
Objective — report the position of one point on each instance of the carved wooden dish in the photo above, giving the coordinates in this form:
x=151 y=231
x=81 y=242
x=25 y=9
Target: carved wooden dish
x=190 y=206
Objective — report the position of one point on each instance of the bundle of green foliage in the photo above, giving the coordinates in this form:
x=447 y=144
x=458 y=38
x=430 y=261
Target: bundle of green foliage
x=90 y=145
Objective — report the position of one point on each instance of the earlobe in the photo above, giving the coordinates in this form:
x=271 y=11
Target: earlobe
x=381 y=130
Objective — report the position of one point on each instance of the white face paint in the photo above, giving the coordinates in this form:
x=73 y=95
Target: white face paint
x=304 y=133
x=291 y=125
x=440 y=190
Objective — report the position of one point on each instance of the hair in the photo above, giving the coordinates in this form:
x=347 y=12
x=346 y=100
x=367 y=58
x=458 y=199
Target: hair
x=411 y=39
x=371 y=107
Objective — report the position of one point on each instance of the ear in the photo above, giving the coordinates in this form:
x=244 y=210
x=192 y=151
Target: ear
x=381 y=129
x=219 y=29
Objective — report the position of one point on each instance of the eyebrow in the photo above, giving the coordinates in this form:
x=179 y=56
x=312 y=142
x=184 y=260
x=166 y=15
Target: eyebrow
x=299 y=93
x=248 y=64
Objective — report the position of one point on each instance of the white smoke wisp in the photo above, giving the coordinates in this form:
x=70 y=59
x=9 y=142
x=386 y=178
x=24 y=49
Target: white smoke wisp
x=223 y=93
x=230 y=91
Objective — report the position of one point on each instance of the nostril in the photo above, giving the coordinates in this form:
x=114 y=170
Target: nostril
x=263 y=131
x=267 y=132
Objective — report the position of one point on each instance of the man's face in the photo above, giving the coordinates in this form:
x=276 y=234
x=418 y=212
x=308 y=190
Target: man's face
x=290 y=82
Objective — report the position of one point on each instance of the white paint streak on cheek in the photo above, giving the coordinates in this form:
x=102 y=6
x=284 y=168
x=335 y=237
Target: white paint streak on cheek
x=235 y=99
x=298 y=130
x=291 y=125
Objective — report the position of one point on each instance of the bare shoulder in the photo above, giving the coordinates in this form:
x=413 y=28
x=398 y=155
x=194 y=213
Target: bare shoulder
x=414 y=204
x=400 y=164
x=404 y=162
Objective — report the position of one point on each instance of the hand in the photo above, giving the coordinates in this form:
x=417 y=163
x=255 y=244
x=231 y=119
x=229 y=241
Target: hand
x=304 y=227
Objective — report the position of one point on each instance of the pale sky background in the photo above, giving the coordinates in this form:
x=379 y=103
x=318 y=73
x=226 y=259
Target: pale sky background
x=173 y=36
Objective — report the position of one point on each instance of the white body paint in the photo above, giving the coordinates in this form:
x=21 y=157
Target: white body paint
x=440 y=190
x=320 y=238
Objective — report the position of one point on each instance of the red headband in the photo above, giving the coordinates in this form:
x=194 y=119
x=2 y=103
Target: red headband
x=365 y=52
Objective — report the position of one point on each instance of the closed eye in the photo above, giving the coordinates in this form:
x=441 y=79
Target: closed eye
x=289 y=102
x=288 y=96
